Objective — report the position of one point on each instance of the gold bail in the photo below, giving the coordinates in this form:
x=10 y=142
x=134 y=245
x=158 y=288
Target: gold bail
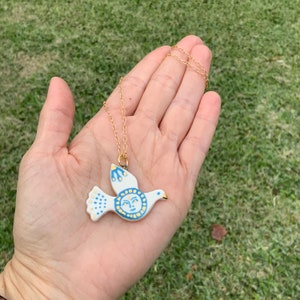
x=123 y=161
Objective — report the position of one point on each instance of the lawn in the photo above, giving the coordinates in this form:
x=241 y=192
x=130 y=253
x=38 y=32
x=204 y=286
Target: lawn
x=250 y=182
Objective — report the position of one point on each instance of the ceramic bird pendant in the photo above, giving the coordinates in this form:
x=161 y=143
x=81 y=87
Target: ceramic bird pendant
x=130 y=203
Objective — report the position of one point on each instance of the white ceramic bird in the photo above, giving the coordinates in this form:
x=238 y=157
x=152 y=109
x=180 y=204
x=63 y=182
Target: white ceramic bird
x=130 y=203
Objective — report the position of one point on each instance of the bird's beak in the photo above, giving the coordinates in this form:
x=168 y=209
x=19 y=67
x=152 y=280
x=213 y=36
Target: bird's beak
x=165 y=196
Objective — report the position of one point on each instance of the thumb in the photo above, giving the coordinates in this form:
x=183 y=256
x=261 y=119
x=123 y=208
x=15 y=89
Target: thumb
x=56 y=117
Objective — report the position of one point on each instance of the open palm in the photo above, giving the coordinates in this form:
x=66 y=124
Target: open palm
x=170 y=125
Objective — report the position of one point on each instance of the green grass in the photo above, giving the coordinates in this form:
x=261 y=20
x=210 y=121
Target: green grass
x=250 y=182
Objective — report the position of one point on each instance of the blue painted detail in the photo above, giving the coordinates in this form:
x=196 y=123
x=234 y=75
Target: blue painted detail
x=131 y=204
x=98 y=204
x=117 y=174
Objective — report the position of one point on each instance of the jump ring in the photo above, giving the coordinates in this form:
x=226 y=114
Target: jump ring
x=123 y=161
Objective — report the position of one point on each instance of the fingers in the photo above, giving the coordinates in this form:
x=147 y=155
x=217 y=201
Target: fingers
x=135 y=82
x=56 y=118
x=181 y=112
x=194 y=147
x=164 y=83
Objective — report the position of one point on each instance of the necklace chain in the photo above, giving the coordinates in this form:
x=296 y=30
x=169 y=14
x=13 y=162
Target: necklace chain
x=195 y=65
x=122 y=149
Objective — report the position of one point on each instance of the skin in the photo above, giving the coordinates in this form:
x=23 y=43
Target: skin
x=59 y=252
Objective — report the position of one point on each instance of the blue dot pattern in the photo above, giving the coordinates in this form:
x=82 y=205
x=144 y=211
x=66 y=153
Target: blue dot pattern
x=100 y=204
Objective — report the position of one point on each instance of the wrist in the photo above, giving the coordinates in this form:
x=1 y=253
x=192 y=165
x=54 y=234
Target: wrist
x=23 y=279
x=2 y=289
x=18 y=281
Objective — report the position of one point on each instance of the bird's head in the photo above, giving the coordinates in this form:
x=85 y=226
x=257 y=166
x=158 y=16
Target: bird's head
x=160 y=194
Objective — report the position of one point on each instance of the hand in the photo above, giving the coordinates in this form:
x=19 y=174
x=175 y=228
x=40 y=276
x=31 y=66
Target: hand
x=59 y=251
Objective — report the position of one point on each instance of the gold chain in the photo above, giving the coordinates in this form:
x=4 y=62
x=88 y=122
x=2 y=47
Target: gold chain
x=196 y=66
x=122 y=150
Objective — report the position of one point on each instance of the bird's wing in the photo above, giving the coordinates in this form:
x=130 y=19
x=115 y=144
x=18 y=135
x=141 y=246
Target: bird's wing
x=99 y=203
x=121 y=179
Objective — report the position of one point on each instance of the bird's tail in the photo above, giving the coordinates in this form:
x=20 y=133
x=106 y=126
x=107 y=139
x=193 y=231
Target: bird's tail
x=98 y=203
